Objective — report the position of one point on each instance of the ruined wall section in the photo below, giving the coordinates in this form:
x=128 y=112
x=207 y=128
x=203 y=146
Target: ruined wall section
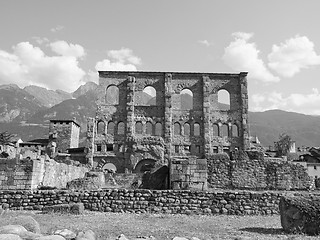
x=184 y=144
x=29 y=174
x=237 y=115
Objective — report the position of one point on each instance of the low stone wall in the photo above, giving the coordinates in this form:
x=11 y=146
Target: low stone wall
x=151 y=201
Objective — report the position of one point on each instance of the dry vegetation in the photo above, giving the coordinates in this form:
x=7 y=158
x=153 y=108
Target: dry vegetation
x=111 y=225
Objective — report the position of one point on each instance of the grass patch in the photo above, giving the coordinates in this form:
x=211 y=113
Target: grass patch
x=162 y=226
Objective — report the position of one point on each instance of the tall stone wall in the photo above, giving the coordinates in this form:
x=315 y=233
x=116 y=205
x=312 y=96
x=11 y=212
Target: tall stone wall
x=151 y=201
x=29 y=174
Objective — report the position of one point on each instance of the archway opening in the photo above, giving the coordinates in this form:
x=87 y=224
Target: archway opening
x=109 y=167
x=215 y=130
x=101 y=127
x=149 y=96
x=149 y=127
x=196 y=129
x=158 y=130
x=225 y=130
x=110 y=128
x=138 y=127
x=186 y=129
x=112 y=95
x=186 y=98
x=177 y=128
x=235 y=130
x=223 y=99
x=121 y=128
x=145 y=165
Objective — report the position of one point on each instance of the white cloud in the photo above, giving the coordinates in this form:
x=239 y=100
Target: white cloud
x=40 y=40
x=205 y=43
x=241 y=55
x=57 y=28
x=120 y=60
x=67 y=49
x=294 y=54
x=30 y=65
x=296 y=102
x=124 y=55
x=91 y=76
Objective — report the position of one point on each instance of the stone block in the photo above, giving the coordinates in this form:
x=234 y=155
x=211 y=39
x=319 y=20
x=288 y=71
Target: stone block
x=72 y=208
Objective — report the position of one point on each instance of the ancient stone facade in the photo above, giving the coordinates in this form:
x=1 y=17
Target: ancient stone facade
x=135 y=135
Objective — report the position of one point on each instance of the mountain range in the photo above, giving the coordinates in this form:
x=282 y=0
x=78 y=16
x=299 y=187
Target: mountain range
x=26 y=112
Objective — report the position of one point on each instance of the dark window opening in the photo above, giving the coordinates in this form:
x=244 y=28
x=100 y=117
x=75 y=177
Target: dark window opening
x=109 y=147
x=99 y=147
x=215 y=149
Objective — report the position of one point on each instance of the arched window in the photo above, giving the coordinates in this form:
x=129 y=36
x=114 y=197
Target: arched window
x=110 y=128
x=138 y=127
x=121 y=128
x=215 y=130
x=177 y=129
x=225 y=130
x=149 y=128
x=196 y=129
x=112 y=95
x=149 y=96
x=223 y=99
x=186 y=98
x=158 y=131
x=101 y=127
x=235 y=130
x=186 y=129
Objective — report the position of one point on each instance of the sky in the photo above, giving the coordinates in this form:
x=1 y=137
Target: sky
x=62 y=44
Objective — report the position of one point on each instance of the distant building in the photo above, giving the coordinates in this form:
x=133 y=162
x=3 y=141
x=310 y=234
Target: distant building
x=311 y=161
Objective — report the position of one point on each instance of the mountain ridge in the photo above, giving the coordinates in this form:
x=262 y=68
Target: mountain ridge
x=23 y=113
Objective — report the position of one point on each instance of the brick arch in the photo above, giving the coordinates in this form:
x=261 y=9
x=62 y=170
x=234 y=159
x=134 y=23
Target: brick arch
x=144 y=165
x=118 y=163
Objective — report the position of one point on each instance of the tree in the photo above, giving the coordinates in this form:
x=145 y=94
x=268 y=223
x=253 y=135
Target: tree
x=5 y=138
x=283 y=146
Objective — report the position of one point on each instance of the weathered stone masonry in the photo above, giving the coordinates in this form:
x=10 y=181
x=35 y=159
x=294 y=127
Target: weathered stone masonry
x=151 y=201
x=135 y=136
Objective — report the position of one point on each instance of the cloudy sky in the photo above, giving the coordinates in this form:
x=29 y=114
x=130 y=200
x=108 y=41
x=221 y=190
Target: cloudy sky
x=61 y=44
